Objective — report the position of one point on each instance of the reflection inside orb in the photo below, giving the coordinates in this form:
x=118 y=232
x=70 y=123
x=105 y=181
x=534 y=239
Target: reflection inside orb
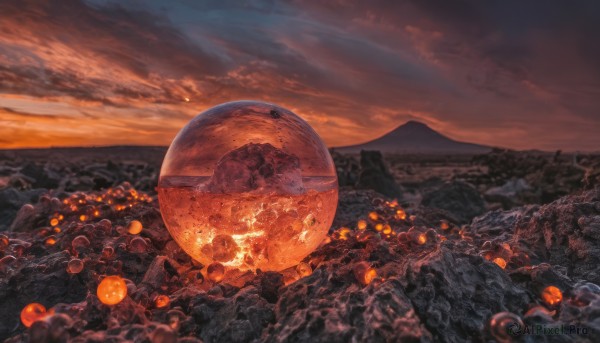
x=248 y=189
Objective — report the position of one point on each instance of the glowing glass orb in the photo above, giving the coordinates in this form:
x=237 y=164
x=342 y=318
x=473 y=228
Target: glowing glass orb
x=421 y=239
x=505 y=326
x=362 y=224
x=552 y=295
x=162 y=301
x=215 y=272
x=364 y=273
x=31 y=313
x=75 y=266
x=249 y=185
x=112 y=290
x=135 y=227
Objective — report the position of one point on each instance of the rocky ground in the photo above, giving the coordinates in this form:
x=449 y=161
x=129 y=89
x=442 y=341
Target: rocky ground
x=445 y=268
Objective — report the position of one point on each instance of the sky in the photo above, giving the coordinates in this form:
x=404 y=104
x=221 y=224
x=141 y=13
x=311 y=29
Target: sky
x=516 y=74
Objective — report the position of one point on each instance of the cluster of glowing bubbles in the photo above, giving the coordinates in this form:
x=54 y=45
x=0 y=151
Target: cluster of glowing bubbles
x=85 y=208
x=384 y=222
x=248 y=185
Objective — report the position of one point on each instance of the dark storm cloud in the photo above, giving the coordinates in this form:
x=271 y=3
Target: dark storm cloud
x=25 y=115
x=137 y=42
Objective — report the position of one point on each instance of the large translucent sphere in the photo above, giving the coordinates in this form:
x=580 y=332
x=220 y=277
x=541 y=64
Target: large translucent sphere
x=250 y=185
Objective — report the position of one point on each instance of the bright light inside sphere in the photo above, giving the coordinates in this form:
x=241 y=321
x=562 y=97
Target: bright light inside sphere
x=249 y=185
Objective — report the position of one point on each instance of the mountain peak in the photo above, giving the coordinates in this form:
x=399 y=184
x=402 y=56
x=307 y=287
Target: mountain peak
x=413 y=123
x=414 y=136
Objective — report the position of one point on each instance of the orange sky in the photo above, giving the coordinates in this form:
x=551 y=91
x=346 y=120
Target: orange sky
x=76 y=73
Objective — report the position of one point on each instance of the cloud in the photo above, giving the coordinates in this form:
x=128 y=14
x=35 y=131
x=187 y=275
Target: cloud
x=106 y=54
x=511 y=74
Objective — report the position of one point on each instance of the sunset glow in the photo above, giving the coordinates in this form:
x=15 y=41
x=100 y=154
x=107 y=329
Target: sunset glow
x=80 y=73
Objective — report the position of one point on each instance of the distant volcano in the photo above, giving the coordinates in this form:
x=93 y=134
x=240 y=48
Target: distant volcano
x=416 y=137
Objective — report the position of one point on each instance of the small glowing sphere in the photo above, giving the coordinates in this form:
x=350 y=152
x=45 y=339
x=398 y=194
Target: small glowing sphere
x=135 y=227
x=249 y=185
x=138 y=245
x=53 y=222
x=108 y=252
x=6 y=261
x=112 y=290
x=373 y=216
x=50 y=240
x=364 y=273
x=505 y=326
x=75 y=266
x=421 y=239
x=4 y=241
x=400 y=214
x=31 y=313
x=500 y=262
x=362 y=224
x=552 y=295
x=215 y=272
x=387 y=229
x=161 y=301
x=444 y=225
x=80 y=242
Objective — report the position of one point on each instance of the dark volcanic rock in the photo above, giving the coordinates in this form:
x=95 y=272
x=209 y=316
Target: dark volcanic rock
x=428 y=279
x=43 y=177
x=460 y=199
x=240 y=318
x=500 y=224
x=46 y=280
x=543 y=178
x=328 y=307
x=11 y=200
x=347 y=169
x=353 y=204
x=268 y=285
x=451 y=294
x=374 y=174
x=566 y=232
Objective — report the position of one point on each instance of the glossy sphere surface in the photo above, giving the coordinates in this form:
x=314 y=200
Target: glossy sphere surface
x=505 y=326
x=248 y=185
x=31 y=313
x=112 y=290
x=161 y=301
x=75 y=266
x=552 y=295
